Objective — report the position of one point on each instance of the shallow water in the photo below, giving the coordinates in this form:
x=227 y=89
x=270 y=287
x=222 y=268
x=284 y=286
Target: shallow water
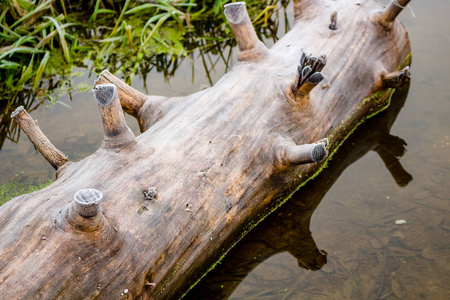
x=369 y=256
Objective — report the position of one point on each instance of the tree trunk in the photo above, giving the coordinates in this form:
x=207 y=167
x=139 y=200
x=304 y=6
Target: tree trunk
x=212 y=164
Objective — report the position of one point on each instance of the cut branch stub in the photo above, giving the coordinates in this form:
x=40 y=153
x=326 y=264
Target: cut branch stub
x=131 y=99
x=55 y=157
x=333 y=23
x=387 y=17
x=84 y=213
x=117 y=132
x=250 y=47
x=86 y=202
x=396 y=79
x=305 y=154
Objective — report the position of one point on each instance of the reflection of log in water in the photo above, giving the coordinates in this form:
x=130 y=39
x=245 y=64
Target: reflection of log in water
x=287 y=229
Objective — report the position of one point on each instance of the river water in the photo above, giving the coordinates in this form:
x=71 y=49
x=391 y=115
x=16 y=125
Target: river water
x=355 y=249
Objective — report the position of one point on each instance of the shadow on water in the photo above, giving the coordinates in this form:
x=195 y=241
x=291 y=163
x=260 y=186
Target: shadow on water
x=288 y=228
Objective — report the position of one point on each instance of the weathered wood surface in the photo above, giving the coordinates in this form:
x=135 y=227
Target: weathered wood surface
x=288 y=229
x=219 y=160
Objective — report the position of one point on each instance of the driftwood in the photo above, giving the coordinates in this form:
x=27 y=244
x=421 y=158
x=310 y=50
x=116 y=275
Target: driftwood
x=288 y=229
x=212 y=164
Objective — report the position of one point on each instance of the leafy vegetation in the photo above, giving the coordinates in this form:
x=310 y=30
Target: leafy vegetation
x=42 y=41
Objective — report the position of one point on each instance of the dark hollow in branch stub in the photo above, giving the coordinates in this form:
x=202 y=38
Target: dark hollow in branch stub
x=55 y=157
x=250 y=47
x=117 y=132
x=309 y=74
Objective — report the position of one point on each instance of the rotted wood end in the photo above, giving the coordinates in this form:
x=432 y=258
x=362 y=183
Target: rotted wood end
x=309 y=74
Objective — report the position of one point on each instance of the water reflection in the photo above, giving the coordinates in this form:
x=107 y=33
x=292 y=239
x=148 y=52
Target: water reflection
x=288 y=229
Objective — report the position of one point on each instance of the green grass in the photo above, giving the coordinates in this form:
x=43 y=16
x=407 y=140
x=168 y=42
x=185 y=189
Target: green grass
x=16 y=187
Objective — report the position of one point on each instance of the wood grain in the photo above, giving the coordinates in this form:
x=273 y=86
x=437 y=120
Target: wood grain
x=213 y=158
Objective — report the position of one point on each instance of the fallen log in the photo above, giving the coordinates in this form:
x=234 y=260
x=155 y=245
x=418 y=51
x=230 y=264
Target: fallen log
x=212 y=164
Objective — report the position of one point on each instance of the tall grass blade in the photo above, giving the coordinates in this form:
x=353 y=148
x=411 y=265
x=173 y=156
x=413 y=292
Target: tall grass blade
x=22 y=40
x=6 y=64
x=142 y=7
x=10 y=31
x=41 y=27
x=26 y=75
x=41 y=68
x=43 y=6
x=264 y=13
x=94 y=14
x=64 y=8
x=114 y=39
x=62 y=39
x=129 y=36
x=158 y=24
x=119 y=21
x=21 y=49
